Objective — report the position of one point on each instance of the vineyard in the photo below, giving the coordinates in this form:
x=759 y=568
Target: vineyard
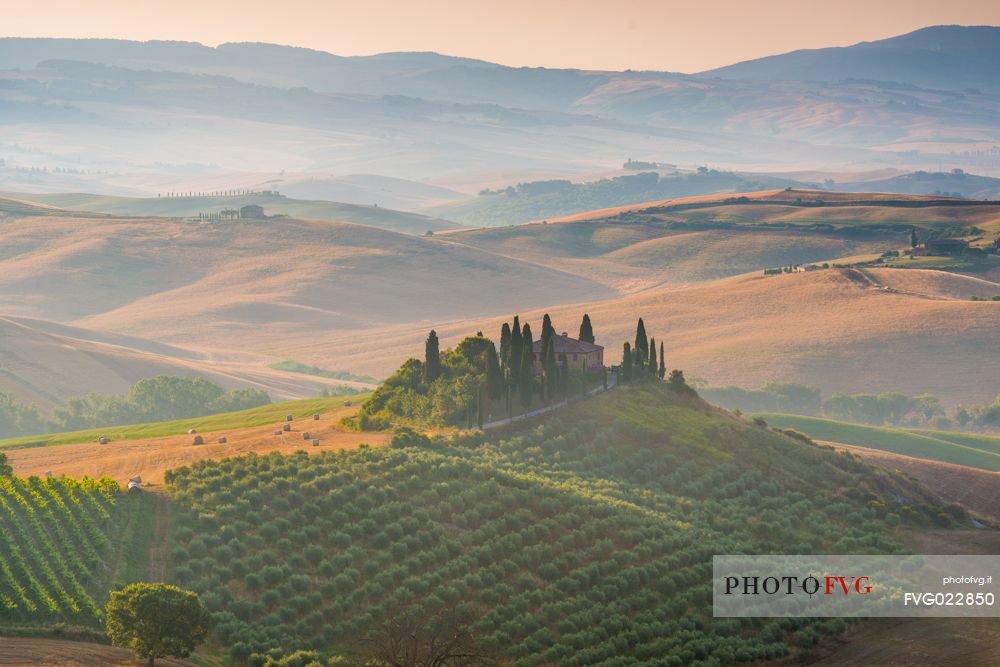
x=54 y=537
x=584 y=540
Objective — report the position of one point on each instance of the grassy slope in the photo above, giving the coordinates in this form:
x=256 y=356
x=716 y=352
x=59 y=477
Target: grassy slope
x=266 y=414
x=977 y=451
x=568 y=534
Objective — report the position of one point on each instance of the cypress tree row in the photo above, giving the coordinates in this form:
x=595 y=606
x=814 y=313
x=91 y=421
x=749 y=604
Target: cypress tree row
x=432 y=357
x=586 y=330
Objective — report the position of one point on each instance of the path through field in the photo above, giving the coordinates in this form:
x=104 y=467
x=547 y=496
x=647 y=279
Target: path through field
x=157 y=559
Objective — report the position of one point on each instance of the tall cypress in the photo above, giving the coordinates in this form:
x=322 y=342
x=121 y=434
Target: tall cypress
x=494 y=376
x=432 y=357
x=515 y=350
x=653 y=366
x=663 y=362
x=551 y=371
x=525 y=372
x=547 y=333
x=586 y=330
x=505 y=346
x=564 y=375
x=641 y=342
x=913 y=237
x=627 y=363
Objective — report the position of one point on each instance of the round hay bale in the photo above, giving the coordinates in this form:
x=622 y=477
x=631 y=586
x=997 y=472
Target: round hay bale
x=316 y=417
x=102 y=440
x=305 y=435
x=288 y=418
x=315 y=442
x=286 y=426
x=192 y=431
x=223 y=440
x=198 y=440
x=278 y=432
x=347 y=404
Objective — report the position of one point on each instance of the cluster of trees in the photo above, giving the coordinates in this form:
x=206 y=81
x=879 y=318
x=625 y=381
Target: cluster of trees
x=563 y=536
x=159 y=398
x=642 y=362
x=883 y=408
x=467 y=384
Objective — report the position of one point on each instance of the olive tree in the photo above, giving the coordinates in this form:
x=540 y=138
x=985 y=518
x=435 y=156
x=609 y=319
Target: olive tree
x=156 y=620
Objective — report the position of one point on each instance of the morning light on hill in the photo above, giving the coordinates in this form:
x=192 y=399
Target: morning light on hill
x=443 y=335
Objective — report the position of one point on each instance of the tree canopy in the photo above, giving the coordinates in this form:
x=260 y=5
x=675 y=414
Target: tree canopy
x=156 y=620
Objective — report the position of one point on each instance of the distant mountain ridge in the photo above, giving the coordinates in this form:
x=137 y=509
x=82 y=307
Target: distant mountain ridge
x=950 y=57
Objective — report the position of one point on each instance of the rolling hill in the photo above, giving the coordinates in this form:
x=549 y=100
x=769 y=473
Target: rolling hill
x=192 y=206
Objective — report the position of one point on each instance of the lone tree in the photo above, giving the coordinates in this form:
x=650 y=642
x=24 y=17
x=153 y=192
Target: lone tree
x=156 y=620
x=586 y=330
x=913 y=237
x=432 y=357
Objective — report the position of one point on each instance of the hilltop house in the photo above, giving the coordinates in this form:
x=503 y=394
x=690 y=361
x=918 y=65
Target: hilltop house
x=577 y=352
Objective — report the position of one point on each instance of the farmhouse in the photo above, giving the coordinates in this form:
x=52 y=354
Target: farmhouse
x=577 y=352
x=252 y=211
x=945 y=246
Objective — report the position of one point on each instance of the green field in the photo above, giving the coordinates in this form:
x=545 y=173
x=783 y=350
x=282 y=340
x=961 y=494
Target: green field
x=977 y=451
x=585 y=537
x=261 y=416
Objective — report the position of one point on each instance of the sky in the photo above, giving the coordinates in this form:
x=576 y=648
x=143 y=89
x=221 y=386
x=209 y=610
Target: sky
x=685 y=36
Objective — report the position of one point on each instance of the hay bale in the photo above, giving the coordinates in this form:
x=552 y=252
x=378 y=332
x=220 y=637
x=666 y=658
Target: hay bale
x=223 y=440
x=278 y=432
x=288 y=418
x=315 y=442
x=316 y=417
x=305 y=435
x=192 y=431
x=347 y=404
x=102 y=440
x=286 y=426
x=198 y=440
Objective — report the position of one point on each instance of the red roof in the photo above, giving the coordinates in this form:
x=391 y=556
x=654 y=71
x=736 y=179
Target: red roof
x=563 y=344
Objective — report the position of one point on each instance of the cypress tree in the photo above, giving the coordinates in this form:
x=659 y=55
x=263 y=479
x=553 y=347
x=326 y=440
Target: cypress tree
x=653 y=366
x=432 y=357
x=494 y=375
x=627 y=363
x=913 y=237
x=525 y=379
x=505 y=346
x=551 y=371
x=663 y=362
x=515 y=350
x=547 y=332
x=564 y=376
x=586 y=330
x=641 y=342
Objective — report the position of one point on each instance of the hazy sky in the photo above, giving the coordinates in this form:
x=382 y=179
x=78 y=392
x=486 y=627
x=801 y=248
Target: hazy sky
x=684 y=36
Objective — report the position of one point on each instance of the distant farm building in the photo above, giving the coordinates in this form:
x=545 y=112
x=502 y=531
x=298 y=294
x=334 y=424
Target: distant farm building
x=945 y=246
x=252 y=212
x=577 y=352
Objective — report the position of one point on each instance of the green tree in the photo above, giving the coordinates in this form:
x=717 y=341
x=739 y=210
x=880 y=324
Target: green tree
x=165 y=397
x=515 y=350
x=432 y=357
x=5 y=469
x=641 y=341
x=626 y=370
x=525 y=372
x=653 y=366
x=663 y=363
x=551 y=370
x=156 y=620
x=677 y=382
x=494 y=374
x=564 y=375
x=586 y=330
x=547 y=332
x=913 y=237
x=505 y=345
